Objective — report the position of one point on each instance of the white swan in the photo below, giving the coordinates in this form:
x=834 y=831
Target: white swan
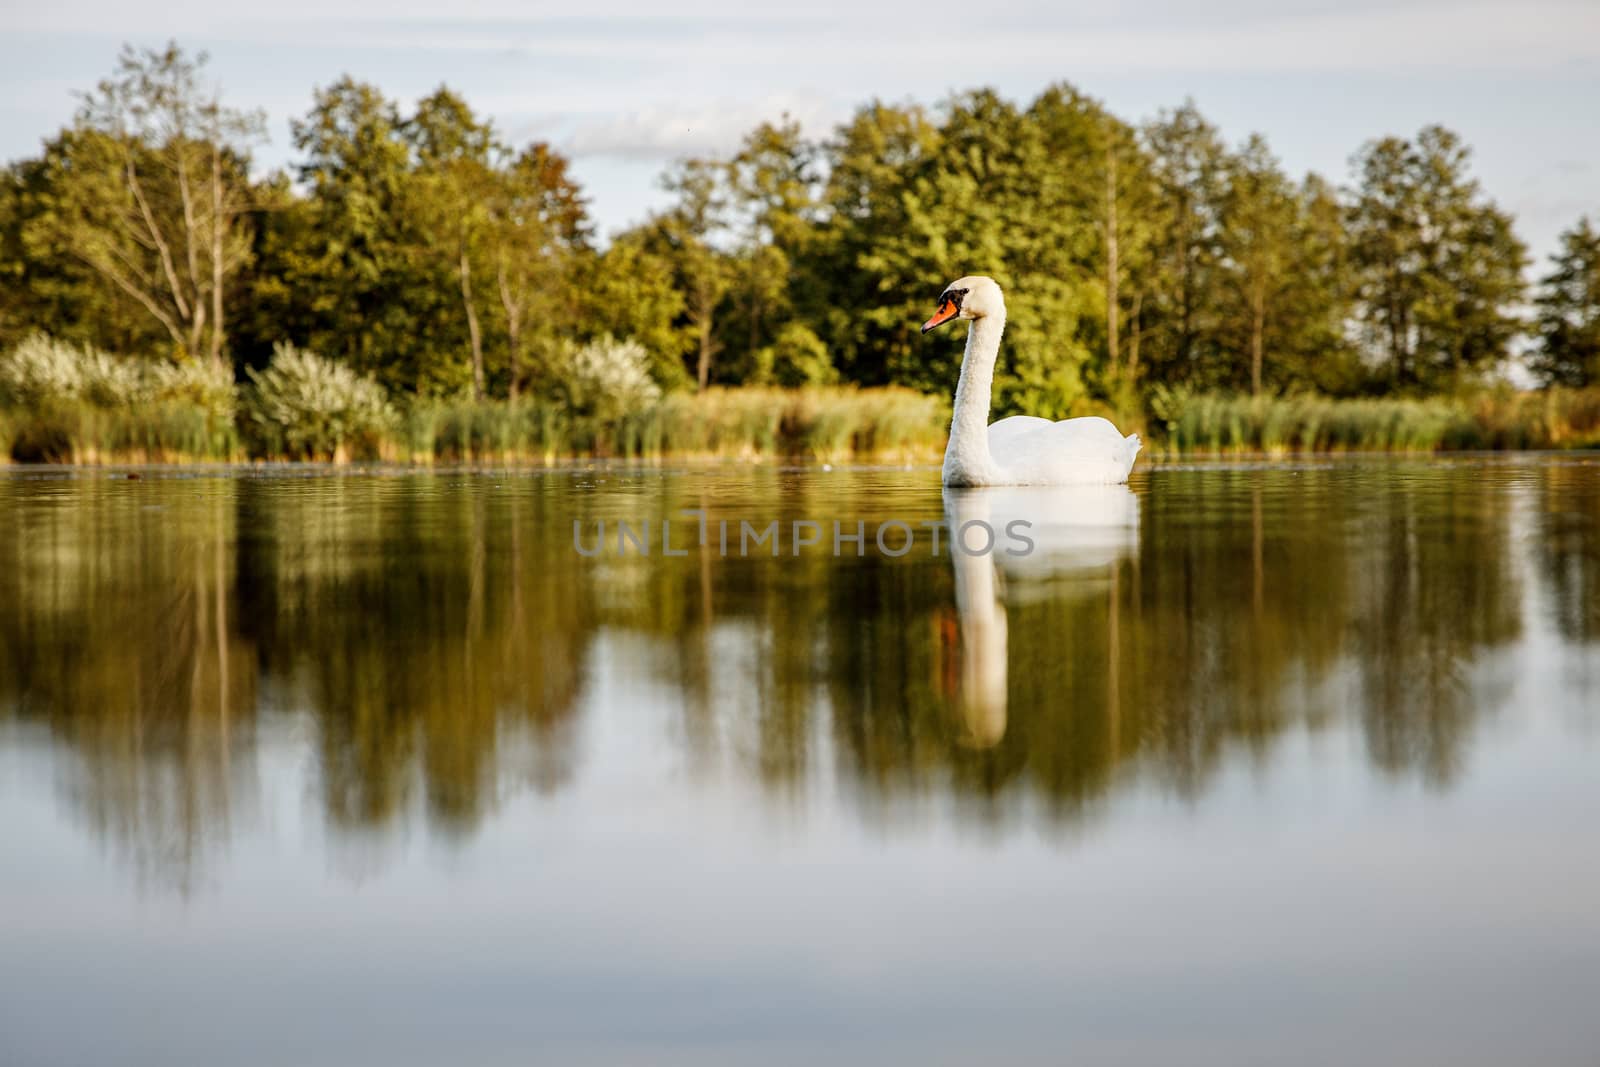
x=1021 y=450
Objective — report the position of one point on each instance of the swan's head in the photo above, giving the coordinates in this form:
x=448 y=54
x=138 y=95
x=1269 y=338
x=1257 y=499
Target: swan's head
x=967 y=298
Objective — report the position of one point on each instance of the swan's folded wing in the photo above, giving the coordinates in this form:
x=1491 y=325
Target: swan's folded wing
x=1007 y=430
x=1087 y=450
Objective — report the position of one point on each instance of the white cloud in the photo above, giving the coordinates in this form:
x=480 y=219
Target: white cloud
x=881 y=38
x=668 y=132
x=705 y=37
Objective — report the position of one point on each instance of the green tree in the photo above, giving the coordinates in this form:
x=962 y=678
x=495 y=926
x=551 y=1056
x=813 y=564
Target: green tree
x=371 y=298
x=450 y=195
x=1099 y=194
x=538 y=237
x=687 y=234
x=631 y=290
x=1568 y=349
x=1129 y=223
x=43 y=286
x=1437 y=267
x=773 y=190
x=1189 y=163
x=13 y=262
x=865 y=300
x=149 y=190
x=797 y=356
x=280 y=288
x=992 y=207
x=977 y=197
x=1312 y=346
x=1257 y=225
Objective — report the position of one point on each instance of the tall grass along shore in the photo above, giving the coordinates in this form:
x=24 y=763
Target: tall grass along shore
x=1503 y=418
x=61 y=403
x=65 y=404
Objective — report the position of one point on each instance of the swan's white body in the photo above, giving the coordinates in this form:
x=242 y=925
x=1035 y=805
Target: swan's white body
x=1021 y=450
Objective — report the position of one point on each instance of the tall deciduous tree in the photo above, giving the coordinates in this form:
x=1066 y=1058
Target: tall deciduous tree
x=1257 y=246
x=1189 y=163
x=978 y=195
x=1438 y=268
x=867 y=297
x=1098 y=188
x=632 y=290
x=44 y=286
x=995 y=203
x=149 y=189
x=1312 y=346
x=13 y=260
x=688 y=234
x=373 y=300
x=1568 y=351
x=772 y=193
x=1130 y=220
x=538 y=235
x=450 y=194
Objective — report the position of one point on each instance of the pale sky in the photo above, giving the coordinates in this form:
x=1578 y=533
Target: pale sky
x=624 y=86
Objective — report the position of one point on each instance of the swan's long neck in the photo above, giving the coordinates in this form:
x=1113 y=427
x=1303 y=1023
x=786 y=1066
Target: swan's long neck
x=966 y=457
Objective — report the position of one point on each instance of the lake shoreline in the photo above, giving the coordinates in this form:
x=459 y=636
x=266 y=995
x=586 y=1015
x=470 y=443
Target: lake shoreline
x=706 y=462
x=765 y=424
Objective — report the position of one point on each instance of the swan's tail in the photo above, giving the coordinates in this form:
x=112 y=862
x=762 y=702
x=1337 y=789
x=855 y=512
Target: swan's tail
x=1134 y=444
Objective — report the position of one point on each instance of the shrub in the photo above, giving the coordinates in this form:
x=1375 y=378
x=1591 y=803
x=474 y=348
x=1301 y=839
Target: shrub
x=79 y=404
x=306 y=407
x=607 y=378
x=198 y=384
x=798 y=357
x=41 y=370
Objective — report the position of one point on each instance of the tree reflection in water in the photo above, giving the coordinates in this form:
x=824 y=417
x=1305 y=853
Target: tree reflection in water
x=435 y=635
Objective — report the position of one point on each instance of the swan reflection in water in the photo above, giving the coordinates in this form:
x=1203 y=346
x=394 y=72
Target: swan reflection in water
x=1079 y=534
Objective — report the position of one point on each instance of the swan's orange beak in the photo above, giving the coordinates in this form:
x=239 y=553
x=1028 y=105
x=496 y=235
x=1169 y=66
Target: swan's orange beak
x=946 y=312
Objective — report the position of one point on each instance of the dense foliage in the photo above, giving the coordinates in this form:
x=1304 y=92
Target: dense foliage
x=60 y=401
x=419 y=248
x=304 y=407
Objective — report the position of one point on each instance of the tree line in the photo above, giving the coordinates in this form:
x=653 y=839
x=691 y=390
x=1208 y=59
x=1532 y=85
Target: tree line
x=420 y=246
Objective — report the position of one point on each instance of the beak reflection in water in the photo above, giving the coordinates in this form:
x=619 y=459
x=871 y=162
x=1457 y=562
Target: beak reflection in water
x=1080 y=534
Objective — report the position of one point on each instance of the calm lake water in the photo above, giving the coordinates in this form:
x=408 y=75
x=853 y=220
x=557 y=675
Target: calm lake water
x=1294 y=763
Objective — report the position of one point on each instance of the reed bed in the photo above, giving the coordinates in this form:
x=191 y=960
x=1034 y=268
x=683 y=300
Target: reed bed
x=67 y=404
x=1499 y=419
x=78 y=405
x=85 y=434
x=814 y=423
